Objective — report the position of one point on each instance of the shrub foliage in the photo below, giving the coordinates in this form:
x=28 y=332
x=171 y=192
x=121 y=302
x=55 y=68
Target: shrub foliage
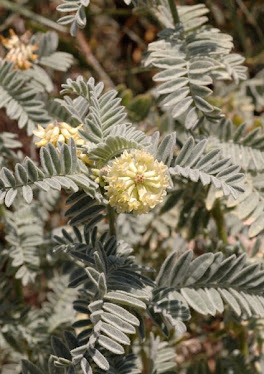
x=85 y=289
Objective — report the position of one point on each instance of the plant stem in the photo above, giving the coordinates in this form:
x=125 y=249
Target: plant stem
x=2 y=211
x=92 y=61
x=18 y=289
x=174 y=12
x=219 y=221
x=238 y=25
x=21 y=9
x=251 y=19
x=111 y=220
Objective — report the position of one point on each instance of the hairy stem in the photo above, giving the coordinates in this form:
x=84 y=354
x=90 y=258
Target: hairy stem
x=219 y=221
x=111 y=220
x=174 y=11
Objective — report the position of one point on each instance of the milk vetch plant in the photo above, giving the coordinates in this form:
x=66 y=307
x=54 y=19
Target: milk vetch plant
x=131 y=223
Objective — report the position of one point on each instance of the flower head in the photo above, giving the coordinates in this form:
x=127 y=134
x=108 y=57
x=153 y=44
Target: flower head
x=61 y=132
x=136 y=182
x=20 y=53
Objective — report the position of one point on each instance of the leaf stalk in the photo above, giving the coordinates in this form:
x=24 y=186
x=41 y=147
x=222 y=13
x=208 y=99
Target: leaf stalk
x=174 y=12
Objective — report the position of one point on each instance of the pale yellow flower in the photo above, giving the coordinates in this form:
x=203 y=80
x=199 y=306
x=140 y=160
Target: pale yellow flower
x=20 y=53
x=61 y=132
x=136 y=182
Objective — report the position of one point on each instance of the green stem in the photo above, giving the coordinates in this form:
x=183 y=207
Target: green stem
x=174 y=12
x=2 y=211
x=219 y=221
x=111 y=220
x=18 y=289
x=31 y=15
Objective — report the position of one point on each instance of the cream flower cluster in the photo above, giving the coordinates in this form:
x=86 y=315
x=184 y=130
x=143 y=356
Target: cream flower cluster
x=136 y=182
x=60 y=132
x=20 y=53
